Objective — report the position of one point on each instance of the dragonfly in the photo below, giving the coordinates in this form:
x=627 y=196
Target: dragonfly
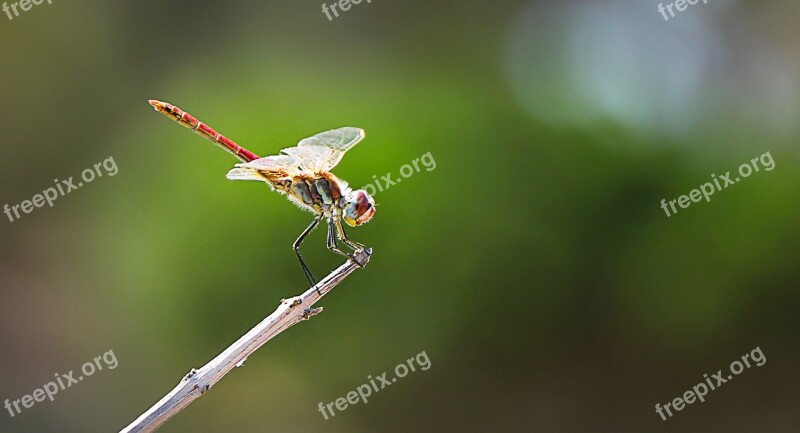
x=302 y=174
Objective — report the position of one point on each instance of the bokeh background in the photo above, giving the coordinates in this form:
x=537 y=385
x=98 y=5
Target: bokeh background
x=534 y=265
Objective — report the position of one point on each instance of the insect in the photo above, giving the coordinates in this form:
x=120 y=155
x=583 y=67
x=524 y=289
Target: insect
x=302 y=173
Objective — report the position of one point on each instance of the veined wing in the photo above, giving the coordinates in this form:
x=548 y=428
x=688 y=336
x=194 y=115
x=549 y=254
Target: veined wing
x=313 y=154
x=323 y=151
x=277 y=165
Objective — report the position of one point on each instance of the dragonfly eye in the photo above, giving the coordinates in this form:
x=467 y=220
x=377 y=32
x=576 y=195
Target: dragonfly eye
x=360 y=208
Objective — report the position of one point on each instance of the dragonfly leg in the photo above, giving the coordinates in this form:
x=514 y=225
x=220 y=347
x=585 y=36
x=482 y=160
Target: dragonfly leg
x=296 y=248
x=332 y=245
x=356 y=246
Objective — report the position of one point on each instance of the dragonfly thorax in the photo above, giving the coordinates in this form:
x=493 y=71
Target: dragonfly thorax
x=324 y=193
x=315 y=193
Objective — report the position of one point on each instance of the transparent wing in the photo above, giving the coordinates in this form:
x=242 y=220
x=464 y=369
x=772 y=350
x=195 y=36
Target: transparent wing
x=277 y=164
x=274 y=162
x=323 y=151
x=244 y=174
x=309 y=158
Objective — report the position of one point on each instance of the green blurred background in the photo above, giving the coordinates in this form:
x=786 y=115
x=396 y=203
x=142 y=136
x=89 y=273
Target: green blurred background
x=534 y=265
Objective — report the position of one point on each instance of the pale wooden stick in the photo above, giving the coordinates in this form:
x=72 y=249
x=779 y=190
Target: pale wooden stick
x=197 y=382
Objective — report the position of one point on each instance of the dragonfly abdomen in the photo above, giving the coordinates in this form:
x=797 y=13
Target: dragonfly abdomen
x=201 y=128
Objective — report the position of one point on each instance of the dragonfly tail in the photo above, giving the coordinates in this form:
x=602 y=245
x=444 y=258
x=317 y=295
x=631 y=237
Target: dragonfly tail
x=201 y=128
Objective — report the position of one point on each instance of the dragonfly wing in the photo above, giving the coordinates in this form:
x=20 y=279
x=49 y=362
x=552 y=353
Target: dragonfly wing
x=323 y=151
x=309 y=158
x=285 y=162
x=312 y=155
x=276 y=165
x=244 y=174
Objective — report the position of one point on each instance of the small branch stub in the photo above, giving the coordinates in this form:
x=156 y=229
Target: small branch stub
x=311 y=312
x=198 y=381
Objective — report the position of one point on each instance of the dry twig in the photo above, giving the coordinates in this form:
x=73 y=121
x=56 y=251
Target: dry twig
x=197 y=382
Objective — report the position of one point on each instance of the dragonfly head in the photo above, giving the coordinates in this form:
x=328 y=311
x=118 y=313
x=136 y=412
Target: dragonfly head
x=359 y=208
